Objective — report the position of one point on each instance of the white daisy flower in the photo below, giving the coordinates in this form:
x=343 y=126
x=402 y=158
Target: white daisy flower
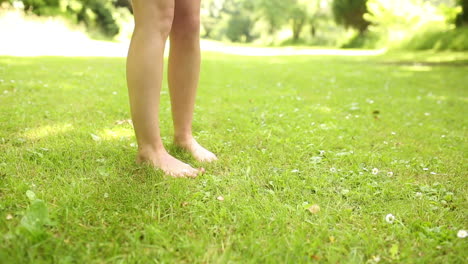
x=390 y=174
x=332 y=169
x=375 y=171
x=390 y=218
x=462 y=233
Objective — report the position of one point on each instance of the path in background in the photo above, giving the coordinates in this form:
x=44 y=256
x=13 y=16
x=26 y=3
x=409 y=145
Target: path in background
x=25 y=36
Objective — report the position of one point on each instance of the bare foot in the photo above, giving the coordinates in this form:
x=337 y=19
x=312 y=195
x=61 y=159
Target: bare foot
x=198 y=152
x=168 y=164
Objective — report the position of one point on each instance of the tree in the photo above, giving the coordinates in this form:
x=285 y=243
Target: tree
x=462 y=18
x=124 y=3
x=349 y=13
x=210 y=16
x=280 y=12
x=102 y=18
x=40 y=7
x=241 y=20
x=272 y=11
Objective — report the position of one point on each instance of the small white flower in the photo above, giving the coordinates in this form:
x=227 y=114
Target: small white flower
x=425 y=169
x=427 y=114
x=418 y=194
x=442 y=136
x=390 y=174
x=133 y=145
x=375 y=171
x=95 y=137
x=220 y=198
x=322 y=152
x=106 y=195
x=433 y=173
x=332 y=169
x=393 y=133
x=295 y=171
x=462 y=233
x=390 y=218
x=385 y=142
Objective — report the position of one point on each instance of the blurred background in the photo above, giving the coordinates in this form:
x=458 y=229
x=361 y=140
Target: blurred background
x=53 y=25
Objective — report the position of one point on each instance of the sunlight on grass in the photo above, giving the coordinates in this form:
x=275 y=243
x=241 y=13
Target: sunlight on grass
x=46 y=131
x=116 y=133
x=418 y=68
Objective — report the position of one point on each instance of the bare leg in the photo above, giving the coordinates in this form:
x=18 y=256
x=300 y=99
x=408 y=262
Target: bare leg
x=153 y=20
x=184 y=72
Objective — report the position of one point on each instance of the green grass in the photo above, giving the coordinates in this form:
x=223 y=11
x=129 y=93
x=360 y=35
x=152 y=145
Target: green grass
x=290 y=132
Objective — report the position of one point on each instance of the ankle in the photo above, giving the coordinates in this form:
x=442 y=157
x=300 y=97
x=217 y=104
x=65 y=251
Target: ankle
x=146 y=152
x=183 y=139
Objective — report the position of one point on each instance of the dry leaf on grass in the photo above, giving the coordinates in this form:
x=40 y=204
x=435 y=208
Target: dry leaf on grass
x=314 y=209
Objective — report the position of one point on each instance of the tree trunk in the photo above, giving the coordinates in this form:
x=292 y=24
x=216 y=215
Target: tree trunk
x=298 y=24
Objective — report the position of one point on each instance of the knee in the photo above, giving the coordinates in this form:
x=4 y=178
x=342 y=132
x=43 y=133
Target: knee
x=186 y=25
x=155 y=17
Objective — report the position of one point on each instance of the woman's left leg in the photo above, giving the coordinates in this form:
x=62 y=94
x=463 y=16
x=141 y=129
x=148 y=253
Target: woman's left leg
x=184 y=72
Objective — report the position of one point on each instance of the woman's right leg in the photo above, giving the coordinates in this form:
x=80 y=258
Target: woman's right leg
x=153 y=21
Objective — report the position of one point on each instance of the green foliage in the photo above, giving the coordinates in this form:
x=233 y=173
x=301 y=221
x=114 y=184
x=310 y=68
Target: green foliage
x=41 y=7
x=241 y=20
x=367 y=40
x=36 y=216
x=273 y=12
x=428 y=38
x=414 y=24
x=350 y=13
x=98 y=13
x=211 y=17
x=462 y=17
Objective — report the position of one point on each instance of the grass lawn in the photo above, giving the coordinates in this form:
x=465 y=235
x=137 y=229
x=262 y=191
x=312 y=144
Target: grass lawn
x=314 y=153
